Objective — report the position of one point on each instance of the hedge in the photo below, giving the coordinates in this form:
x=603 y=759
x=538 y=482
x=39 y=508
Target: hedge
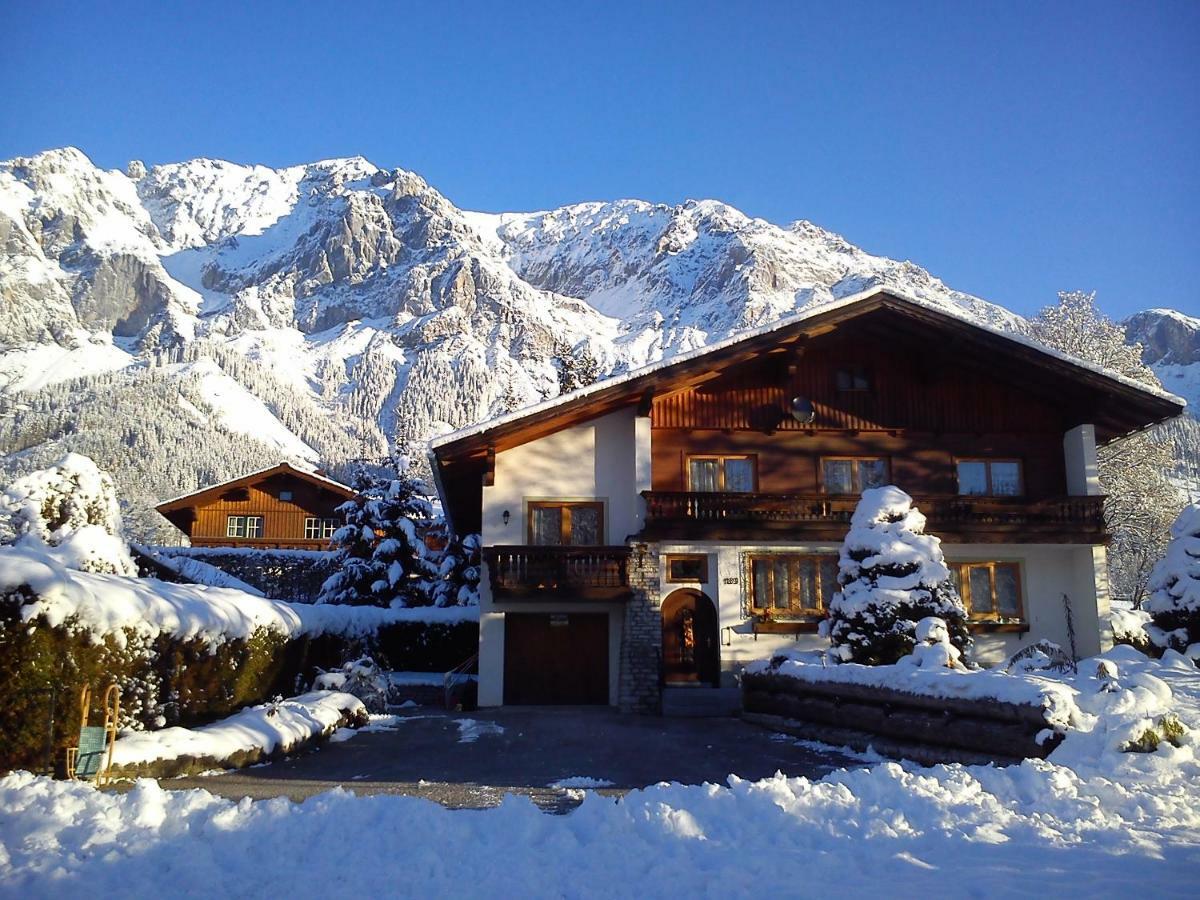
x=169 y=681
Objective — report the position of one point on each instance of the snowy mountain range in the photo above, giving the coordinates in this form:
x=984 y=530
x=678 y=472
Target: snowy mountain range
x=186 y=322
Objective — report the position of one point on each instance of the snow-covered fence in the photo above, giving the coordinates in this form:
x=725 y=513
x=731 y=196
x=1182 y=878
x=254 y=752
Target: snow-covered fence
x=988 y=720
x=294 y=575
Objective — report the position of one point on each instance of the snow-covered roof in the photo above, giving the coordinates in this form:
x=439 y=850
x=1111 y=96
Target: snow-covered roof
x=303 y=473
x=778 y=325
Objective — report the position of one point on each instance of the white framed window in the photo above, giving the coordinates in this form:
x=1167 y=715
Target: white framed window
x=319 y=529
x=244 y=526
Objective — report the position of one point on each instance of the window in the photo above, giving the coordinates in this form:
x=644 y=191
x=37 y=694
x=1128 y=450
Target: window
x=554 y=523
x=787 y=584
x=319 y=529
x=689 y=567
x=285 y=495
x=853 y=475
x=989 y=590
x=733 y=474
x=990 y=478
x=244 y=526
x=853 y=378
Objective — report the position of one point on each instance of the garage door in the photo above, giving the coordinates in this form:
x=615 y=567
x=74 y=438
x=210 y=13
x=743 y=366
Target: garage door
x=555 y=658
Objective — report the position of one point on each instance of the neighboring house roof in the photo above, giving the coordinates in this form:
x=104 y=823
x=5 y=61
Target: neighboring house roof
x=1134 y=405
x=197 y=498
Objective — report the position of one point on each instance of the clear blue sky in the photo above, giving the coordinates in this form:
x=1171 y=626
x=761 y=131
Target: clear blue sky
x=1014 y=149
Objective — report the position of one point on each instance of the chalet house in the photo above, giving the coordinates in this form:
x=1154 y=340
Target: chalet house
x=278 y=508
x=659 y=530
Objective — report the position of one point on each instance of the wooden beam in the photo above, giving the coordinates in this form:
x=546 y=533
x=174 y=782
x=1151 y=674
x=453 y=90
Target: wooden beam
x=489 y=466
x=646 y=403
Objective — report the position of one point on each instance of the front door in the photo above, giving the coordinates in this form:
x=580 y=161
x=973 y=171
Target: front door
x=689 y=639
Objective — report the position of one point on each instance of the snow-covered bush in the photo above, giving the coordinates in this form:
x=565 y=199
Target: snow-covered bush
x=363 y=678
x=933 y=649
x=1174 y=601
x=71 y=507
x=892 y=575
x=381 y=555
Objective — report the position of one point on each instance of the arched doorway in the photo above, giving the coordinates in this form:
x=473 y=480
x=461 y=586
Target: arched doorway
x=689 y=639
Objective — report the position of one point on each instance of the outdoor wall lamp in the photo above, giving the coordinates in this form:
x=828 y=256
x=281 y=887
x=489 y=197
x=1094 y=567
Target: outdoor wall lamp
x=506 y=516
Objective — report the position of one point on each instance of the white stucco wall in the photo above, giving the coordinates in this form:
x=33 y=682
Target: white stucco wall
x=491 y=641
x=597 y=460
x=1048 y=571
x=1082 y=462
x=606 y=459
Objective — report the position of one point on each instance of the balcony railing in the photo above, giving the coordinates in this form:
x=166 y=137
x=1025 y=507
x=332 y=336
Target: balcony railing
x=701 y=514
x=569 y=573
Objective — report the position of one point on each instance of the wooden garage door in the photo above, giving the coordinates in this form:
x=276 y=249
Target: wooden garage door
x=555 y=658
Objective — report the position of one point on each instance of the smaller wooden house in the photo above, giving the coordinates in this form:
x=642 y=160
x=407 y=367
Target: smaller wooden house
x=277 y=508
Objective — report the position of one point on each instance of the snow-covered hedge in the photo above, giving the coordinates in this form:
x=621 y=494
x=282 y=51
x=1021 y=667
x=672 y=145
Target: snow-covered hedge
x=182 y=653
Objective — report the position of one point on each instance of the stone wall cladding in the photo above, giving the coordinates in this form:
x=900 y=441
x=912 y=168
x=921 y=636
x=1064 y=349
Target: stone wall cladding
x=639 y=689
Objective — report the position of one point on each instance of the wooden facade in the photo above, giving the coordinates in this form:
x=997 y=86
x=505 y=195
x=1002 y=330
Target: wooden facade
x=294 y=510
x=938 y=389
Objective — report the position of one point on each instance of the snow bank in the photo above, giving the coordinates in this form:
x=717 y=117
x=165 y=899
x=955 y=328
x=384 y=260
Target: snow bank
x=1030 y=830
x=109 y=604
x=267 y=728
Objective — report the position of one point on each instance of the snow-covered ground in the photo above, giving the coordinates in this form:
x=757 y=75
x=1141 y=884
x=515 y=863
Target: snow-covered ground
x=1109 y=824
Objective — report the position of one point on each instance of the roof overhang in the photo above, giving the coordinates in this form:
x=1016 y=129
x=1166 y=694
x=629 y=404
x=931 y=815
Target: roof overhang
x=1134 y=406
x=197 y=498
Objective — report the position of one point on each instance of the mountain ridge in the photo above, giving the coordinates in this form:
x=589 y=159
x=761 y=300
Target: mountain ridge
x=358 y=304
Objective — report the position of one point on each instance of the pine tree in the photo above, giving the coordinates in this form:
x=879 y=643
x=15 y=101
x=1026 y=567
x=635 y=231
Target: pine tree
x=381 y=554
x=1141 y=501
x=576 y=368
x=892 y=576
x=456 y=564
x=1174 y=601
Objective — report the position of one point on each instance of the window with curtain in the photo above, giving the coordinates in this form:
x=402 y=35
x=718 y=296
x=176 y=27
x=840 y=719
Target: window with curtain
x=792 y=584
x=990 y=478
x=554 y=523
x=991 y=591
x=733 y=474
x=853 y=474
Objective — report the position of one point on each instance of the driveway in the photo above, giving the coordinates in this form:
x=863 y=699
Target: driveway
x=471 y=760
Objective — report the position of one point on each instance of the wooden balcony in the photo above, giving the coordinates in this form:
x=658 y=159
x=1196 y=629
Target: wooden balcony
x=558 y=573
x=683 y=515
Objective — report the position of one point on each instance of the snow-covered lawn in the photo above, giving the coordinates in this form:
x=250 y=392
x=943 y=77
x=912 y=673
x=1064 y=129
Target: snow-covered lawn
x=1105 y=823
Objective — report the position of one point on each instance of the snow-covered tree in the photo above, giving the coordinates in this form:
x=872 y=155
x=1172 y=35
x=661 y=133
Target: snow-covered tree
x=71 y=507
x=381 y=555
x=1141 y=501
x=456 y=569
x=1075 y=326
x=577 y=368
x=1174 y=601
x=892 y=576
